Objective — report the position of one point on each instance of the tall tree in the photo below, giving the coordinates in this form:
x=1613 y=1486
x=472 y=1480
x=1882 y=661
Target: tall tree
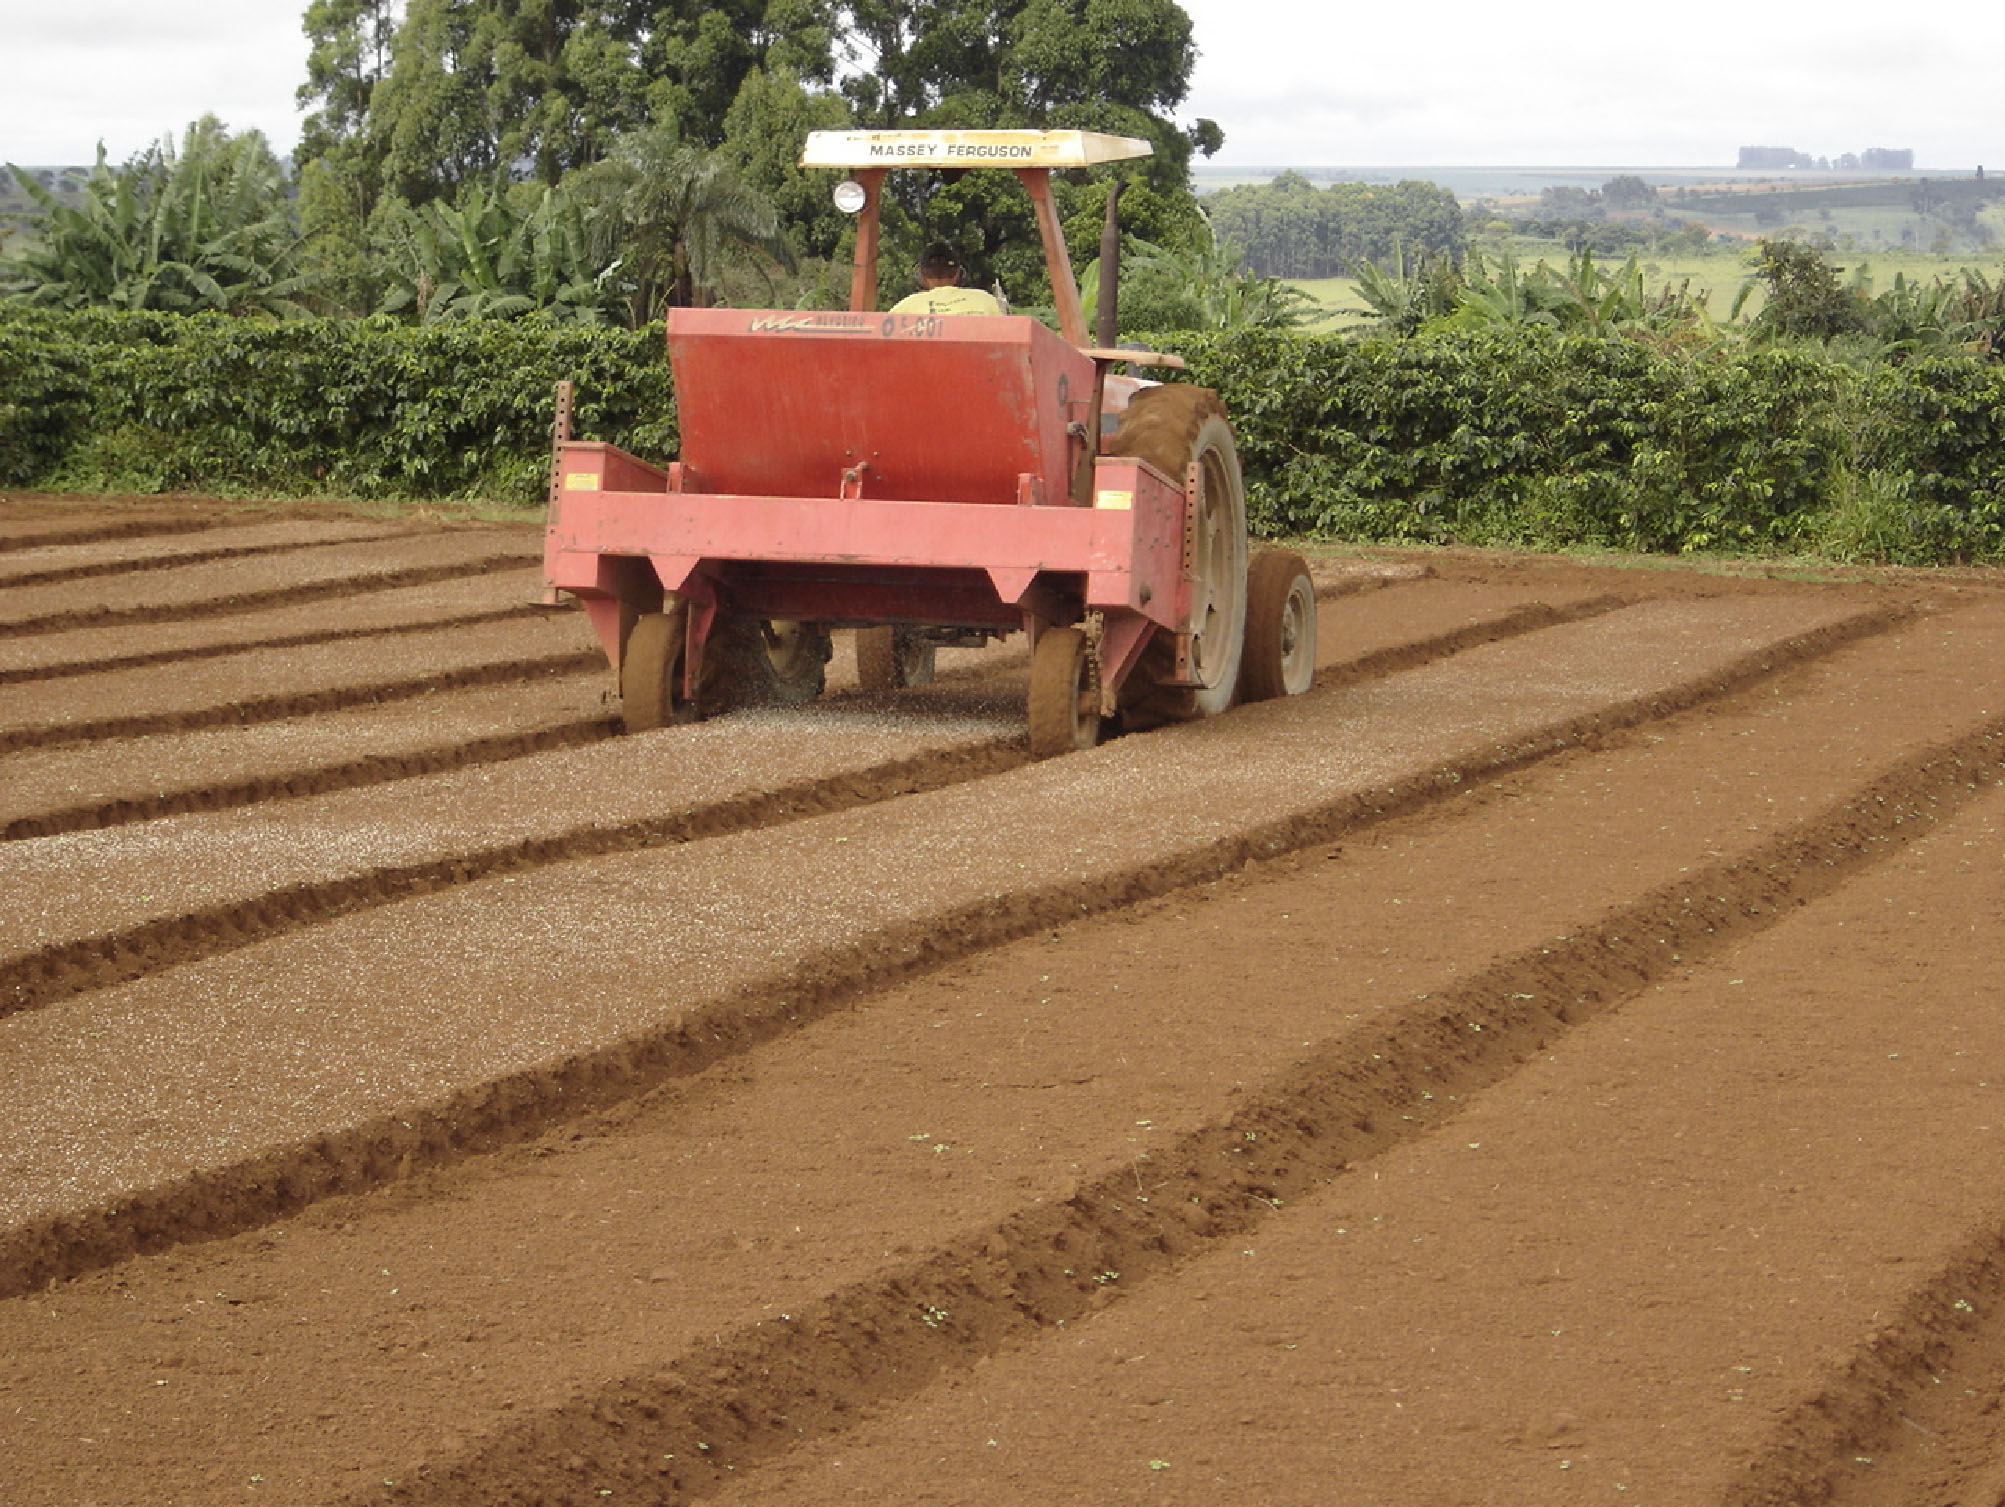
x=536 y=87
x=763 y=132
x=477 y=91
x=1103 y=65
x=1106 y=64
x=1805 y=297
x=349 y=55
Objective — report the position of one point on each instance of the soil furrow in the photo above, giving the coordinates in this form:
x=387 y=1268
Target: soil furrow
x=1528 y=619
x=1394 y=630
x=1617 y=1270
x=228 y=601
x=712 y=1417
x=316 y=1358
x=56 y=524
x=83 y=787
x=250 y=543
x=776 y=997
x=323 y=780
x=52 y=974
x=32 y=656
x=299 y=703
x=70 y=669
x=534 y=813
x=1912 y=1416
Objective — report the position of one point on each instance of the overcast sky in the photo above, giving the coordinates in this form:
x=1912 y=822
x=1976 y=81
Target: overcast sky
x=1293 y=82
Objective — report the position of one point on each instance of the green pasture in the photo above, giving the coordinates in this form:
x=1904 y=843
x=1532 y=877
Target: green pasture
x=1719 y=273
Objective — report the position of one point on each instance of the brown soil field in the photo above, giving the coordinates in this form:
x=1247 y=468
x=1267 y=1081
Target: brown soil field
x=1560 y=1058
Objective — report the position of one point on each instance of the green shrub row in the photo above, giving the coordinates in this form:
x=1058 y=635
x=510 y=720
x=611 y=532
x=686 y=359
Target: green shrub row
x=1515 y=435
x=372 y=408
x=1527 y=436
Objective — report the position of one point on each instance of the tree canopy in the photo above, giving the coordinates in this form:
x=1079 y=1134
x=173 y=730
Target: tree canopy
x=460 y=89
x=595 y=158
x=454 y=90
x=1290 y=228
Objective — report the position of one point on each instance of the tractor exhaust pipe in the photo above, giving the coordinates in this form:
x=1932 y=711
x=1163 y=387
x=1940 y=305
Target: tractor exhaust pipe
x=1106 y=327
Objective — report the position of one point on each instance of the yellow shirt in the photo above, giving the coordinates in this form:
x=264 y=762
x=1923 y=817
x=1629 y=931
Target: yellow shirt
x=948 y=301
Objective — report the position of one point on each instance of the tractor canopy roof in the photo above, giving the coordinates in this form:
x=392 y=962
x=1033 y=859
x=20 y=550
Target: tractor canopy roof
x=1050 y=149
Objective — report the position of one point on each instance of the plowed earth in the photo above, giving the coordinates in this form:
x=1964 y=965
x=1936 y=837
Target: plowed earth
x=1560 y=1058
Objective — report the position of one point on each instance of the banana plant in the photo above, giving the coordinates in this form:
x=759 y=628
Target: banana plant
x=483 y=258
x=207 y=227
x=1410 y=291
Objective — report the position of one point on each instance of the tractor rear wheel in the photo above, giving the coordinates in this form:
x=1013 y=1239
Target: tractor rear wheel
x=1171 y=427
x=1280 y=657
x=651 y=673
x=1064 y=695
x=888 y=658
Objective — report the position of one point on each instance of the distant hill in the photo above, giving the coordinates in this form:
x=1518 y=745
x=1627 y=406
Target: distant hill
x=1470 y=182
x=65 y=182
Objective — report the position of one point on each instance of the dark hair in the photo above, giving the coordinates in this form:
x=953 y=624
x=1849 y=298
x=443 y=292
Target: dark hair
x=940 y=260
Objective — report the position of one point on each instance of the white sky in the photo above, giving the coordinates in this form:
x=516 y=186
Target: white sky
x=1293 y=82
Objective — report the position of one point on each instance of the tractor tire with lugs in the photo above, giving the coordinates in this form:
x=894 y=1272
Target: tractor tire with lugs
x=1170 y=427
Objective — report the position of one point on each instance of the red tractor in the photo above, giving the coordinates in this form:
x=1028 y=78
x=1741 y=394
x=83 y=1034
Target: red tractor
x=930 y=480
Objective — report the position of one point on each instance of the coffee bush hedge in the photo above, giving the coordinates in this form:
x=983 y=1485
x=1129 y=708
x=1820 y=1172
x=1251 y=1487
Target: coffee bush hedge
x=1516 y=435
x=358 y=408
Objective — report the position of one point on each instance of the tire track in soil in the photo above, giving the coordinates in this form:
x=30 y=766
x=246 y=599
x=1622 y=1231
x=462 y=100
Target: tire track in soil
x=276 y=596
x=524 y=1103
x=768 y=1386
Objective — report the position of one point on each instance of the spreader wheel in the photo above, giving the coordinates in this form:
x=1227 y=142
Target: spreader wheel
x=1280 y=657
x=651 y=673
x=1064 y=695
x=749 y=661
x=890 y=657
x=1170 y=427
x=792 y=657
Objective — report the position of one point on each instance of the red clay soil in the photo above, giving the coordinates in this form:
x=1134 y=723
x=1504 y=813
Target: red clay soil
x=1556 y=1059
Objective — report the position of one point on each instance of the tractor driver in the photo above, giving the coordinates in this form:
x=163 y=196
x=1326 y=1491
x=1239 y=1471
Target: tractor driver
x=940 y=290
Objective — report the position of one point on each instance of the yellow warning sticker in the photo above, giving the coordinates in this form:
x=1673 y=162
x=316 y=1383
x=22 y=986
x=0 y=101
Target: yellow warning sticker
x=1122 y=500
x=581 y=481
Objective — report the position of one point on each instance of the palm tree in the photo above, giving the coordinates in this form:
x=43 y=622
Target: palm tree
x=671 y=217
